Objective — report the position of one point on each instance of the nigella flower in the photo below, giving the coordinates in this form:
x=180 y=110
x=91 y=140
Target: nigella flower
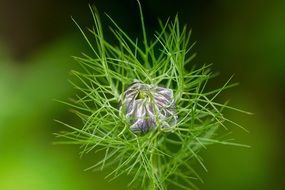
x=154 y=161
x=148 y=106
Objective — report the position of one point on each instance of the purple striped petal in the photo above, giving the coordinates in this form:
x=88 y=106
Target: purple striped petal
x=147 y=106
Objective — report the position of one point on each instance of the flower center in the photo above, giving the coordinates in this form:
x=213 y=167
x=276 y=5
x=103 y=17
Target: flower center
x=142 y=94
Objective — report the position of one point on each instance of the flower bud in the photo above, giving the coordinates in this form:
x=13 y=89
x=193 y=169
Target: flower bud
x=148 y=106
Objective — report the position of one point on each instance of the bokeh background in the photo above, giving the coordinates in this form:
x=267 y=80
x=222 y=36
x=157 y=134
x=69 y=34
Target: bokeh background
x=38 y=38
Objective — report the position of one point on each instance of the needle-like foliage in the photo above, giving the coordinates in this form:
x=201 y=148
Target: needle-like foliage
x=159 y=159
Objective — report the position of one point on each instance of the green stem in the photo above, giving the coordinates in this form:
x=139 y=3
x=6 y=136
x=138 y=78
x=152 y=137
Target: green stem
x=144 y=36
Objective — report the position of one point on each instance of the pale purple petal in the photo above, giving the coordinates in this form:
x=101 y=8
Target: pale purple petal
x=147 y=106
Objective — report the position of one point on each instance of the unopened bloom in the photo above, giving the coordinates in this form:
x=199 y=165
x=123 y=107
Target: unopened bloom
x=148 y=106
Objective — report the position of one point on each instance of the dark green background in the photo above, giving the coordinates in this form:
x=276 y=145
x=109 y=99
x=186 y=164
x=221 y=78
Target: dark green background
x=37 y=39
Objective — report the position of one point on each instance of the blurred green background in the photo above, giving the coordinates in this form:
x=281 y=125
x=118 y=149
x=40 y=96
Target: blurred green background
x=38 y=38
